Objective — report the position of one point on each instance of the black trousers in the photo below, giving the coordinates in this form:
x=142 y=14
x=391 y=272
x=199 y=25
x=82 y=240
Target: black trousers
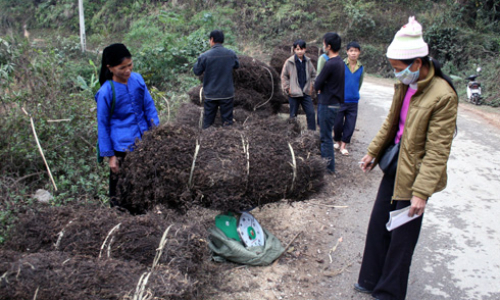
x=345 y=122
x=387 y=256
x=226 y=112
x=113 y=180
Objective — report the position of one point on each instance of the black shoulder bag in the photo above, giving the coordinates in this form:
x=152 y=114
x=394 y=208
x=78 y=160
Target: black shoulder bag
x=389 y=160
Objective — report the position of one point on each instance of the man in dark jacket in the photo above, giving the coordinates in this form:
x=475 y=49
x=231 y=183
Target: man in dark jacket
x=330 y=87
x=217 y=64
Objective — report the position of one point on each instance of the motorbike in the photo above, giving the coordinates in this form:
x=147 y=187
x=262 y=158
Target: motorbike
x=474 y=89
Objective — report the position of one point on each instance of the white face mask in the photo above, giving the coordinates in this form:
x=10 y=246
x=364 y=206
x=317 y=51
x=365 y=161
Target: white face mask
x=406 y=76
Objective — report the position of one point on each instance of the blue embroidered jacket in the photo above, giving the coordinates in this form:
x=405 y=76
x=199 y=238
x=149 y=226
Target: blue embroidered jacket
x=134 y=113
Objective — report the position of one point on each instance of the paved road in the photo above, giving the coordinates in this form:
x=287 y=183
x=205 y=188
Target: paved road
x=458 y=255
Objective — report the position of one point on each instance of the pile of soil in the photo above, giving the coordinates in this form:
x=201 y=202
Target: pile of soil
x=257 y=86
x=245 y=165
x=283 y=52
x=93 y=252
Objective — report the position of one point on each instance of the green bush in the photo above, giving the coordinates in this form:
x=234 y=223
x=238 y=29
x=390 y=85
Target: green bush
x=374 y=60
x=445 y=44
x=49 y=93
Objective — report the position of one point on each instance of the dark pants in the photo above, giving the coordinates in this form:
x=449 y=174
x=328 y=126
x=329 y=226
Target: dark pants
x=113 y=180
x=210 y=111
x=326 y=118
x=307 y=106
x=345 y=122
x=387 y=257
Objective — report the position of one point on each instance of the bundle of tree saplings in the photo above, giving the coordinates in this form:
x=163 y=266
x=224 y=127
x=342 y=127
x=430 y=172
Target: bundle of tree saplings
x=61 y=275
x=257 y=87
x=103 y=253
x=110 y=233
x=258 y=161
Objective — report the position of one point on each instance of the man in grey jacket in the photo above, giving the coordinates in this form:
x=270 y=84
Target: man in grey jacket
x=297 y=79
x=217 y=66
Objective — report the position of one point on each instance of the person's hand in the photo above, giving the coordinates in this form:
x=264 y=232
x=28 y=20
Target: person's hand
x=289 y=91
x=113 y=164
x=366 y=163
x=417 y=206
x=312 y=89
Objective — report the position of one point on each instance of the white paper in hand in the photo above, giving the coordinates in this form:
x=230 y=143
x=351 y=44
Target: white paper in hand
x=399 y=217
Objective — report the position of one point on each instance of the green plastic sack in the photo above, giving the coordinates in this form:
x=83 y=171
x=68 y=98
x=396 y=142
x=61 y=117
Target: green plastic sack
x=224 y=248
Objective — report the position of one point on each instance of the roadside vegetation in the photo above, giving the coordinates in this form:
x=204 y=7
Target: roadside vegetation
x=43 y=70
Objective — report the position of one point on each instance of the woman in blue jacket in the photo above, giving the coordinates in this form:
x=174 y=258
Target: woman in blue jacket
x=125 y=109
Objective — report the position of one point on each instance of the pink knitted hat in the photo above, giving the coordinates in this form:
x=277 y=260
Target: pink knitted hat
x=408 y=42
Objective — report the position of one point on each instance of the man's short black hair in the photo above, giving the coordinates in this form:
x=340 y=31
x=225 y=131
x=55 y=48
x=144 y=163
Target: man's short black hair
x=218 y=36
x=353 y=44
x=334 y=40
x=300 y=43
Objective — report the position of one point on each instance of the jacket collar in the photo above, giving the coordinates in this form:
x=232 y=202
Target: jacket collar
x=358 y=64
x=218 y=45
x=422 y=84
x=294 y=57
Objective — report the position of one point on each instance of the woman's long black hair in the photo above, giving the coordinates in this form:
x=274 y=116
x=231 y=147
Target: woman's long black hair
x=113 y=55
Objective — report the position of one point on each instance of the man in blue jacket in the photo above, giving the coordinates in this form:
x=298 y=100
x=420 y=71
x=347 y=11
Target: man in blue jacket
x=345 y=121
x=217 y=64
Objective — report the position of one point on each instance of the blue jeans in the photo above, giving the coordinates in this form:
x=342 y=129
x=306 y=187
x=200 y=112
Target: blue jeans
x=326 y=118
x=307 y=106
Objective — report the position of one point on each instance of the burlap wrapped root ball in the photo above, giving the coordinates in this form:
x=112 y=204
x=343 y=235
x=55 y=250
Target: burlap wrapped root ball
x=232 y=168
x=257 y=87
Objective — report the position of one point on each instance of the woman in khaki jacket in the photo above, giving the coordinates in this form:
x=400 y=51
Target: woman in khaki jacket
x=422 y=122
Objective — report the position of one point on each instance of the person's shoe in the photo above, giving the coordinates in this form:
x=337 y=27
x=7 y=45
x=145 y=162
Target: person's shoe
x=361 y=289
x=336 y=146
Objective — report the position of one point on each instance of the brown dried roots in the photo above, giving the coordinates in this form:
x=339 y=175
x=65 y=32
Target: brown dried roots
x=246 y=165
x=257 y=87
